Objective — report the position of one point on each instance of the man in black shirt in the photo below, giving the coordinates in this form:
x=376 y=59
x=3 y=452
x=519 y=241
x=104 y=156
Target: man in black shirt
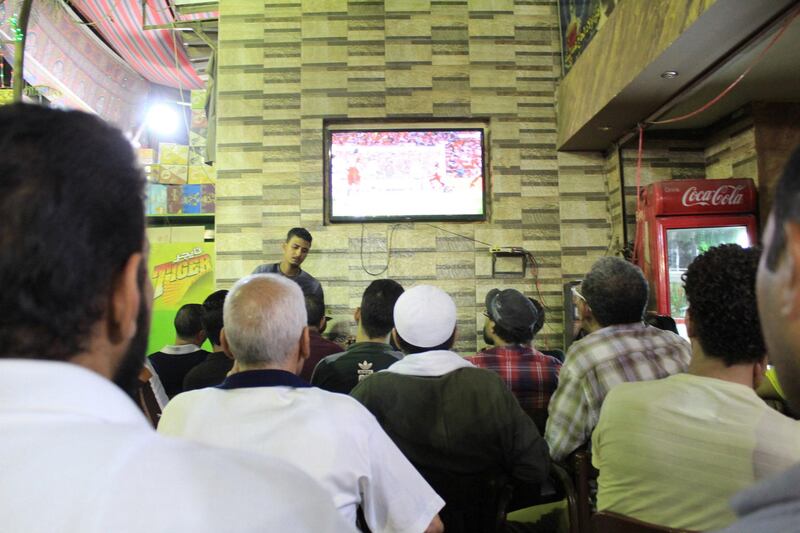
x=295 y=251
x=213 y=370
x=371 y=352
x=174 y=361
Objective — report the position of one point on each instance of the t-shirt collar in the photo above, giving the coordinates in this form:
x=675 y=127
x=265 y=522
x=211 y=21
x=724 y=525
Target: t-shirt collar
x=262 y=378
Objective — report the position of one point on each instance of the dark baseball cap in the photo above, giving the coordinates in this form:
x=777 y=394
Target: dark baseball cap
x=511 y=310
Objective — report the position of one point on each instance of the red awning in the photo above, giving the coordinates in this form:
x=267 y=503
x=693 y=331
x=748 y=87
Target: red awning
x=158 y=55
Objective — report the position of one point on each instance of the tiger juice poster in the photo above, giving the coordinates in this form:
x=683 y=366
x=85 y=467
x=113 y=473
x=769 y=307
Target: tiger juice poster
x=181 y=273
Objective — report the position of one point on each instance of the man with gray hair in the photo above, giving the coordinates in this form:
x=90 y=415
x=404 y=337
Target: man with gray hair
x=619 y=347
x=266 y=408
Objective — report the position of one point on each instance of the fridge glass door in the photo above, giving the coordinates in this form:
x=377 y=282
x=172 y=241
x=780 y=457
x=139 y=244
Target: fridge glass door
x=683 y=245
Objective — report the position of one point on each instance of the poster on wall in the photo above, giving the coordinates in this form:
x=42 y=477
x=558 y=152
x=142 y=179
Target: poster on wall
x=181 y=273
x=580 y=21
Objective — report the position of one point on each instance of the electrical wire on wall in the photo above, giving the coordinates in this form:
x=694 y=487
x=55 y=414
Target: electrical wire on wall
x=389 y=234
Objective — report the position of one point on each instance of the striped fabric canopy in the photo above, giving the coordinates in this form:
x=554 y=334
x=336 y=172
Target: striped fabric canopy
x=158 y=55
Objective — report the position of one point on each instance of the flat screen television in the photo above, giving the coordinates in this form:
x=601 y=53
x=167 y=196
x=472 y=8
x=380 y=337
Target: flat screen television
x=410 y=172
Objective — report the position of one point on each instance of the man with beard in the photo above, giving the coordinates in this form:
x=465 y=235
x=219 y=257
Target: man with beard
x=774 y=505
x=511 y=323
x=77 y=454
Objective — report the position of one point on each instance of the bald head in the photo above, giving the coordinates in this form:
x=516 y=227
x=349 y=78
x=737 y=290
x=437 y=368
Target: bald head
x=264 y=317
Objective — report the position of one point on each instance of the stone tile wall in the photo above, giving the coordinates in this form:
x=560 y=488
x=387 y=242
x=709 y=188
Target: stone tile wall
x=286 y=66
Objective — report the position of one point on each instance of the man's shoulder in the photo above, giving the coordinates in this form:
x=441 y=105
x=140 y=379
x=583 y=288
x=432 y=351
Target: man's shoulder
x=772 y=505
x=172 y=463
x=267 y=268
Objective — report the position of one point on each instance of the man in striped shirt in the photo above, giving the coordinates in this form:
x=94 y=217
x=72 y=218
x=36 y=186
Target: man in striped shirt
x=512 y=320
x=619 y=348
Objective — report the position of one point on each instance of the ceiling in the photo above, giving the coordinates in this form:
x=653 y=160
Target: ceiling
x=776 y=78
x=708 y=56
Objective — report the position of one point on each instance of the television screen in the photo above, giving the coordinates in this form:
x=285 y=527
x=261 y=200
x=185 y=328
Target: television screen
x=405 y=174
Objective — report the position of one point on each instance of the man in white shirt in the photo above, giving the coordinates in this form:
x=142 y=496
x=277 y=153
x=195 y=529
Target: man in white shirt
x=673 y=451
x=266 y=408
x=76 y=454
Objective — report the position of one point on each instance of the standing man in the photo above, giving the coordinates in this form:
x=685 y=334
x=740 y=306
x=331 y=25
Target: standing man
x=511 y=322
x=371 y=352
x=774 y=505
x=76 y=453
x=295 y=250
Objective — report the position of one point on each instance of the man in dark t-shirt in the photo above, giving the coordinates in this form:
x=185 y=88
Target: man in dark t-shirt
x=216 y=366
x=371 y=352
x=174 y=361
x=295 y=251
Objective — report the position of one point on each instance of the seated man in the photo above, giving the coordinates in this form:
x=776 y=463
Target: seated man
x=511 y=322
x=673 y=451
x=619 y=347
x=459 y=425
x=215 y=368
x=77 y=455
x=174 y=361
x=266 y=408
x=371 y=352
x=319 y=346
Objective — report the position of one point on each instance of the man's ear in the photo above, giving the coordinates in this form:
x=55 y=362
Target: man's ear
x=759 y=371
x=126 y=297
x=689 y=323
x=395 y=337
x=304 y=345
x=223 y=342
x=357 y=315
x=792 y=230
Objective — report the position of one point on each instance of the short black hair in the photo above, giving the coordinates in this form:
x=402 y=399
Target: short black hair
x=212 y=315
x=785 y=208
x=721 y=290
x=315 y=308
x=71 y=216
x=537 y=327
x=515 y=336
x=616 y=291
x=377 y=307
x=301 y=233
x=189 y=320
x=409 y=348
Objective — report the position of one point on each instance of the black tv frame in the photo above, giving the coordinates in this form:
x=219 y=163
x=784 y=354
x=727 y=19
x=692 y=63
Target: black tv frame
x=366 y=125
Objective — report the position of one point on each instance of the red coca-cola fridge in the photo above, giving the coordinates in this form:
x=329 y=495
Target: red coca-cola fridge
x=680 y=220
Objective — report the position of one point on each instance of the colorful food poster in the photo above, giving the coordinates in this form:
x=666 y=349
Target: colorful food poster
x=173 y=154
x=192 y=195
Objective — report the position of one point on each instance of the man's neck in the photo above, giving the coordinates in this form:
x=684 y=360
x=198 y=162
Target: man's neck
x=713 y=367
x=288 y=269
x=265 y=366
x=500 y=343
x=363 y=337
x=183 y=342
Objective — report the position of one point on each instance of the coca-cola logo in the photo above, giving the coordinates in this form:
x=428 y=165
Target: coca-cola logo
x=723 y=195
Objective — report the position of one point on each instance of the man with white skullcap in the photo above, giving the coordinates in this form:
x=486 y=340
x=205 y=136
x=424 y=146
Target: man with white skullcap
x=458 y=424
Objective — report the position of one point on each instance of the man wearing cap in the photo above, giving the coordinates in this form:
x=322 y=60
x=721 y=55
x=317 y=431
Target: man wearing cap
x=511 y=320
x=458 y=424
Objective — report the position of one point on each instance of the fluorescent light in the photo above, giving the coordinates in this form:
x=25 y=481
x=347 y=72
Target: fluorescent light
x=162 y=119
